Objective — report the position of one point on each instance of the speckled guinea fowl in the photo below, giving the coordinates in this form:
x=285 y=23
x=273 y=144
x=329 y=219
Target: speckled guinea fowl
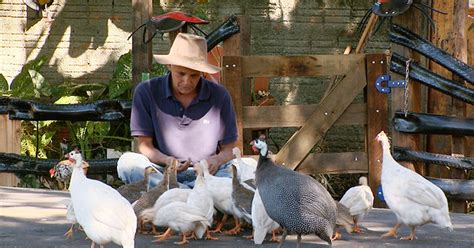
x=297 y=202
x=134 y=190
x=344 y=219
x=148 y=199
x=241 y=197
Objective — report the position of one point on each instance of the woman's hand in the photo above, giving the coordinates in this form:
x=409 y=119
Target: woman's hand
x=184 y=165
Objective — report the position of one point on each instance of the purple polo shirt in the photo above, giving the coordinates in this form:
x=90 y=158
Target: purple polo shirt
x=194 y=132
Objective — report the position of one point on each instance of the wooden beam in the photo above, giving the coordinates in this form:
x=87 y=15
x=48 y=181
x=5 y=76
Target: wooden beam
x=329 y=110
x=377 y=120
x=298 y=66
x=297 y=115
x=10 y=142
x=141 y=53
x=238 y=86
x=332 y=163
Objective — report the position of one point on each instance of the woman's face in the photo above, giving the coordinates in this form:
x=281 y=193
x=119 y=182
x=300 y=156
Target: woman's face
x=184 y=80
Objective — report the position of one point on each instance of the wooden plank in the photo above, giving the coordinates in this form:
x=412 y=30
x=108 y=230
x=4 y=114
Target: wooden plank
x=377 y=120
x=334 y=163
x=460 y=52
x=141 y=53
x=329 y=110
x=298 y=66
x=331 y=163
x=238 y=45
x=297 y=115
x=10 y=141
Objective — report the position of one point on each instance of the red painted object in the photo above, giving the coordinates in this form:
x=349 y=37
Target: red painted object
x=180 y=16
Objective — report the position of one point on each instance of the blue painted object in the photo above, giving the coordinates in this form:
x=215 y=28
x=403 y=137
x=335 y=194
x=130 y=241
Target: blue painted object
x=390 y=84
x=380 y=193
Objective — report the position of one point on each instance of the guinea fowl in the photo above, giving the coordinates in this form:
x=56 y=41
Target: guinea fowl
x=297 y=202
x=148 y=199
x=241 y=198
x=344 y=219
x=221 y=192
x=103 y=213
x=414 y=200
x=62 y=172
x=359 y=199
x=133 y=191
x=245 y=166
x=261 y=222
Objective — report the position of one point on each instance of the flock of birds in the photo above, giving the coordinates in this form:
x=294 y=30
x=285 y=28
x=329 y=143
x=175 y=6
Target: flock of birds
x=267 y=196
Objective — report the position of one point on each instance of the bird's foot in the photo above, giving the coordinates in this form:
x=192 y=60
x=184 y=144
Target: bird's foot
x=69 y=233
x=183 y=241
x=192 y=236
x=390 y=233
x=249 y=237
x=356 y=229
x=336 y=236
x=209 y=236
x=274 y=236
x=234 y=231
x=163 y=236
x=410 y=237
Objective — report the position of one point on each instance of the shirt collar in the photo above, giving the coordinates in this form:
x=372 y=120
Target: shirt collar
x=204 y=92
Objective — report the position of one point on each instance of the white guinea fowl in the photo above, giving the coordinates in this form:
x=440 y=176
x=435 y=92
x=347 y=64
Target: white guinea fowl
x=136 y=161
x=220 y=189
x=102 y=212
x=201 y=199
x=245 y=166
x=181 y=218
x=359 y=199
x=414 y=200
x=261 y=222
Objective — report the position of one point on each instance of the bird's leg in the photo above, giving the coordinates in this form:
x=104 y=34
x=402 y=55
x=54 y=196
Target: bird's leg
x=249 y=237
x=236 y=228
x=102 y=246
x=163 y=236
x=337 y=234
x=412 y=234
x=153 y=230
x=93 y=244
x=220 y=224
x=392 y=232
x=209 y=236
x=183 y=241
x=283 y=237
x=69 y=232
x=298 y=241
x=356 y=228
x=274 y=237
x=192 y=236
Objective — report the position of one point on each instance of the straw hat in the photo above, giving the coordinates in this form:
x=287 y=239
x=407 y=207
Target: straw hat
x=189 y=51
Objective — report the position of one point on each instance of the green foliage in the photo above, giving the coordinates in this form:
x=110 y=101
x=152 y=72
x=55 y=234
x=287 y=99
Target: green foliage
x=28 y=84
x=3 y=84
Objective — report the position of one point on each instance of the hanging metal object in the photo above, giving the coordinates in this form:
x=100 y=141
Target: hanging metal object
x=389 y=8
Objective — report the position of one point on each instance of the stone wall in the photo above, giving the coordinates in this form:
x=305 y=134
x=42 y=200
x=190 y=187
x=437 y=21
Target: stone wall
x=84 y=39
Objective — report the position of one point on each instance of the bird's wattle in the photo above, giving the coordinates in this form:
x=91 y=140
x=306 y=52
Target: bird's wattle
x=51 y=172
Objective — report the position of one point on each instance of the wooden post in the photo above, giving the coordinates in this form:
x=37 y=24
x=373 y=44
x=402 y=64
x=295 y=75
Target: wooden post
x=141 y=53
x=438 y=102
x=459 y=52
x=238 y=87
x=377 y=120
x=10 y=142
x=411 y=20
x=469 y=141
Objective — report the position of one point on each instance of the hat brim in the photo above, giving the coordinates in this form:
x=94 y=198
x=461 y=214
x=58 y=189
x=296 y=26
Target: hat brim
x=186 y=62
